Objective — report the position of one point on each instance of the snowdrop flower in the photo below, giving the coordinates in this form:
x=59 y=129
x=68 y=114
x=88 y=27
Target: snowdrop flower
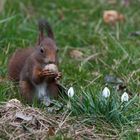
x=70 y=92
x=124 y=97
x=106 y=92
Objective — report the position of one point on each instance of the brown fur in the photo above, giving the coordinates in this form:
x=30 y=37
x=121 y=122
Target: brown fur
x=17 y=61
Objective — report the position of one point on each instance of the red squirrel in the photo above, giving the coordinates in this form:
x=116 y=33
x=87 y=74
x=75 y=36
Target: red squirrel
x=27 y=66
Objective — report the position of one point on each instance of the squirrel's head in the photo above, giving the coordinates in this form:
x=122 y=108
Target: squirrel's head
x=47 y=51
x=46 y=47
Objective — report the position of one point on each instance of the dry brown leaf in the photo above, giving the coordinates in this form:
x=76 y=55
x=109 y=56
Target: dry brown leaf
x=76 y=54
x=51 y=131
x=112 y=1
x=126 y=2
x=112 y=16
x=20 y=115
x=13 y=103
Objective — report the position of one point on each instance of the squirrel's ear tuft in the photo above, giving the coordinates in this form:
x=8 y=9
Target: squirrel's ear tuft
x=41 y=27
x=44 y=26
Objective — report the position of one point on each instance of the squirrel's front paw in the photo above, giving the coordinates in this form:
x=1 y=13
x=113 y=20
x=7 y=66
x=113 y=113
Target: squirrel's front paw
x=47 y=73
x=59 y=75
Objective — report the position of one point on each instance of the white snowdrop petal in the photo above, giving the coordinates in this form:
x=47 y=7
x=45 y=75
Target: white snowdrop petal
x=124 y=97
x=106 y=92
x=70 y=92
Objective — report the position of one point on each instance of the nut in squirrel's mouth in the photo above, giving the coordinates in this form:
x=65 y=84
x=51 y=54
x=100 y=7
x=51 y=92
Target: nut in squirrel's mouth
x=52 y=67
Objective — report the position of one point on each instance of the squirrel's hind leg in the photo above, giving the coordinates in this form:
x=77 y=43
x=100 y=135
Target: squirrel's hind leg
x=53 y=90
x=26 y=90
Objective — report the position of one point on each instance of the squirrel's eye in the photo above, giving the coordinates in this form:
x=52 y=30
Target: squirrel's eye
x=41 y=50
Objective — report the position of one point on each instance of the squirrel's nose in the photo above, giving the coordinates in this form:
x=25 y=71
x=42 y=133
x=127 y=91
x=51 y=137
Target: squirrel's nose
x=51 y=62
